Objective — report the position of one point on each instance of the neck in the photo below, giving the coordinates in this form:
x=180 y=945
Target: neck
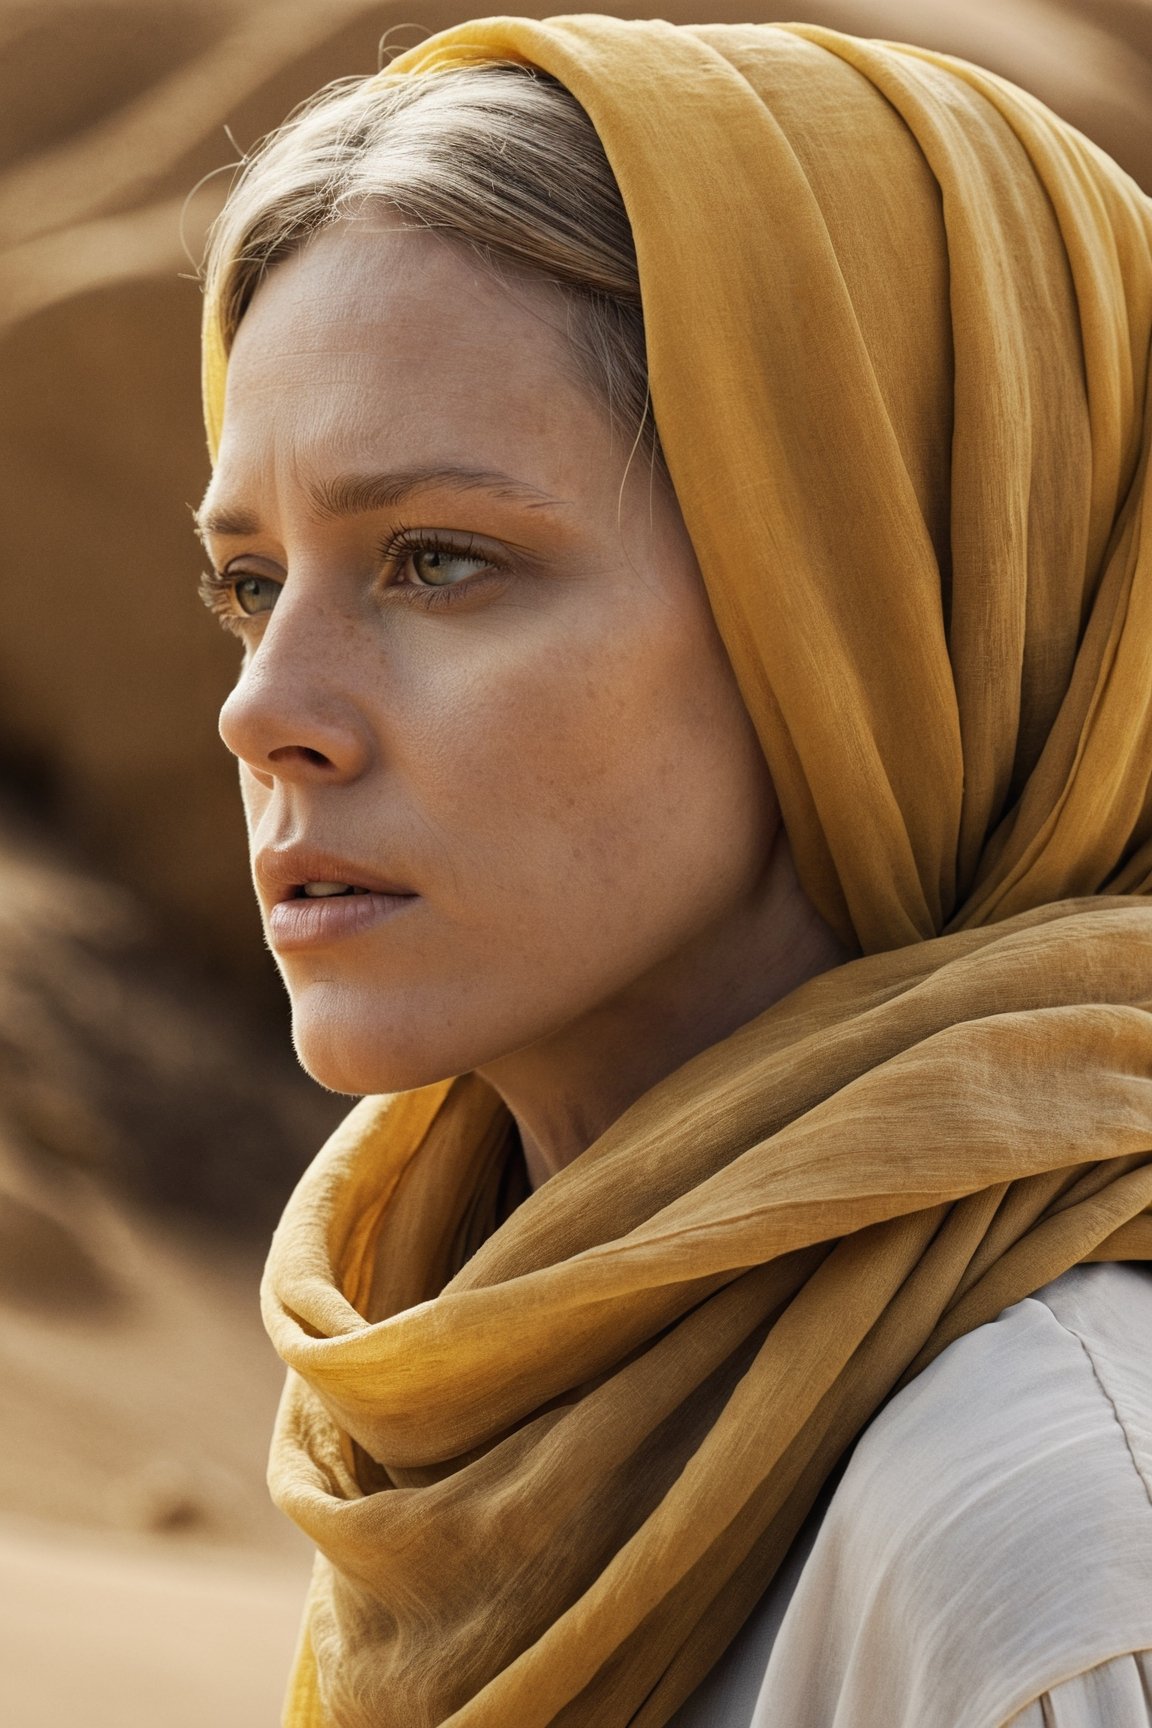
x=565 y=1090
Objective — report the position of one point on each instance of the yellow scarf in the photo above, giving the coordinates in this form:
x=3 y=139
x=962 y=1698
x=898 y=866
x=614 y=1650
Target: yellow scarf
x=898 y=321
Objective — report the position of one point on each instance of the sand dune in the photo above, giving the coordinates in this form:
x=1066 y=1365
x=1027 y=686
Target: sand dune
x=147 y=1581
x=139 y=1388
x=114 y=1635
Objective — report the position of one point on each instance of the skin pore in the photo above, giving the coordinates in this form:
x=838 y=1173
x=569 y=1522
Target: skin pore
x=480 y=668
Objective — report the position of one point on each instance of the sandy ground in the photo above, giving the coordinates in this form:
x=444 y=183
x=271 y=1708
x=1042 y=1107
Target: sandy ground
x=146 y=1580
x=114 y=1634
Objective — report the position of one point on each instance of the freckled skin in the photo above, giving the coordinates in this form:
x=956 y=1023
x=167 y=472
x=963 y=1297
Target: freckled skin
x=560 y=765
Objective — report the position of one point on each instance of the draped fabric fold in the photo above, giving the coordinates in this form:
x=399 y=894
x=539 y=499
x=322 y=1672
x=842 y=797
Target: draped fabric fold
x=553 y=1449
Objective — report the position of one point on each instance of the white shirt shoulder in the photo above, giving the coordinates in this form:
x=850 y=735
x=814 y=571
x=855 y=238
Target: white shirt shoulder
x=986 y=1557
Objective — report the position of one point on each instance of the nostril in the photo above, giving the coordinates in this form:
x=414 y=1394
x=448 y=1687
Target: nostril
x=300 y=753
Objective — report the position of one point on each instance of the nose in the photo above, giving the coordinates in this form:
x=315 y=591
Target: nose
x=293 y=713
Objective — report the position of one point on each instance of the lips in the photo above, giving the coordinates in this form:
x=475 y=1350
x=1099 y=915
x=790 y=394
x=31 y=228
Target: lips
x=315 y=898
x=296 y=872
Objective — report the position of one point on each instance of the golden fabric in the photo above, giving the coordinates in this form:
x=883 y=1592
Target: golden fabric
x=898 y=321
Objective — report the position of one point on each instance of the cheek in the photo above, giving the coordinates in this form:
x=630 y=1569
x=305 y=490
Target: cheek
x=611 y=778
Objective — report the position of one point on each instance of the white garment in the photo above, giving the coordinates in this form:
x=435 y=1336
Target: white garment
x=986 y=1557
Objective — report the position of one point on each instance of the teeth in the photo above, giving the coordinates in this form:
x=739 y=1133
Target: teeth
x=324 y=890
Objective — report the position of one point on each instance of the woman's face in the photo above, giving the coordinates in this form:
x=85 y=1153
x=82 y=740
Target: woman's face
x=481 y=682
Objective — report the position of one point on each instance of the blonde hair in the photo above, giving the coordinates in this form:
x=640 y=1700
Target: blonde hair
x=498 y=156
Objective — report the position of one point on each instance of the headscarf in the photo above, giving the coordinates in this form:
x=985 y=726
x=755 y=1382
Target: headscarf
x=898 y=319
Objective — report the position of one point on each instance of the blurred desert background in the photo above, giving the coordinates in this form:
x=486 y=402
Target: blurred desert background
x=152 y=1120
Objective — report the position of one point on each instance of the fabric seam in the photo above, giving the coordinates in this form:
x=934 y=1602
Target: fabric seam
x=1110 y=1400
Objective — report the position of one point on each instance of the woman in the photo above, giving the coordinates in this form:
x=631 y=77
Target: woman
x=680 y=495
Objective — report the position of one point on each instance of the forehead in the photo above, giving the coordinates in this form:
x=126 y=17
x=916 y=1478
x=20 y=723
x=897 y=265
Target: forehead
x=378 y=338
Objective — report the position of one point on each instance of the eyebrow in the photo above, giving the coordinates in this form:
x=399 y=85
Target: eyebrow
x=356 y=494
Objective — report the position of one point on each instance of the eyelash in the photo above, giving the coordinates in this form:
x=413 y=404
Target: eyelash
x=217 y=588
x=217 y=591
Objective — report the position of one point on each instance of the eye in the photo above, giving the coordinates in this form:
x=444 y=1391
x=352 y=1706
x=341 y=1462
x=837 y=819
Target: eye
x=442 y=567
x=234 y=596
x=255 y=594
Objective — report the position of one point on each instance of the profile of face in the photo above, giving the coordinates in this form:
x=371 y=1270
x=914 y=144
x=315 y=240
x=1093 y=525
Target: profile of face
x=497 y=774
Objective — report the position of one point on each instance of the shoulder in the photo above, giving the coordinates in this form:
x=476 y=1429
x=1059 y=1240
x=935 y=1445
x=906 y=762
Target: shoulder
x=1055 y=1393
x=992 y=1533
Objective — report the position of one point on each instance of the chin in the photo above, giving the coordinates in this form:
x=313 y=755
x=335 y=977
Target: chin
x=357 y=1053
